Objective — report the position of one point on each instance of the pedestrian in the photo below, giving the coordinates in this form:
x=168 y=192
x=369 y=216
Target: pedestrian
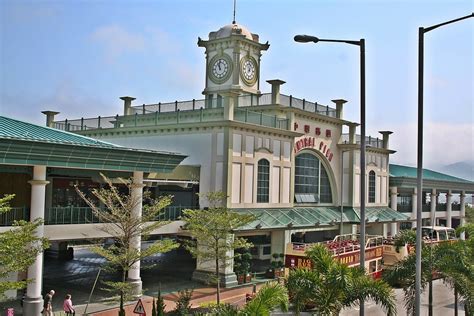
x=67 y=306
x=48 y=304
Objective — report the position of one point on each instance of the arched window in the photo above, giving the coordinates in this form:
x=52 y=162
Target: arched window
x=311 y=180
x=372 y=186
x=263 y=181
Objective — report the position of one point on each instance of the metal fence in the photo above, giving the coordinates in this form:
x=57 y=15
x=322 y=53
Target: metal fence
x=14 y=214
x=369 y=140
x=77 y=215
x=187 y=111
x=258 y=118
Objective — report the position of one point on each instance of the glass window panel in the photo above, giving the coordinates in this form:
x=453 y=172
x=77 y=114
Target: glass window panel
x=372 y=186
x=263 y=181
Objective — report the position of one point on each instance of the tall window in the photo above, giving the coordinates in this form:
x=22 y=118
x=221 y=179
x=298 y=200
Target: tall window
x=372 y=186
x=311 y=180
x=263 y=181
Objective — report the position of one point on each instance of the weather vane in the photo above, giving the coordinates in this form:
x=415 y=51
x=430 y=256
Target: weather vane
x=233 y=21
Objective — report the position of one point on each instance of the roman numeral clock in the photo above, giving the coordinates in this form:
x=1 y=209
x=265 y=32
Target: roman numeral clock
x=232 y=62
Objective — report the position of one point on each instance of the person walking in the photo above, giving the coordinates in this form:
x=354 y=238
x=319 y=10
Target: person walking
x=48 y=304
x=68 y=307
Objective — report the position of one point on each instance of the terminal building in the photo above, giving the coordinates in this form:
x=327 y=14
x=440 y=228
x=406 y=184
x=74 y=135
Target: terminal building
x=285 y=159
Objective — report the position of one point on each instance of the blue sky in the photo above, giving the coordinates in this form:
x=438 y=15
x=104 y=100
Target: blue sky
x=79 y=57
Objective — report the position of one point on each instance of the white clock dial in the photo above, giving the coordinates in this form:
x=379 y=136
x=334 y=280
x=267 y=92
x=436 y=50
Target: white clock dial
x=220 y=68
x=248 y=70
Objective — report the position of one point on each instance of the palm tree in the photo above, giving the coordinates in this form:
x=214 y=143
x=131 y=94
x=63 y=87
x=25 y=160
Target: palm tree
x=331 y=286
x=269 y=297
x=451 y=261
x=453 y=265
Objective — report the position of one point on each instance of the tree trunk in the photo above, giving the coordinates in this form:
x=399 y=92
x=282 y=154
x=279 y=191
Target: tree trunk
x=218 y=281
x=430 y=298
x=124 y=277
x=456 y=301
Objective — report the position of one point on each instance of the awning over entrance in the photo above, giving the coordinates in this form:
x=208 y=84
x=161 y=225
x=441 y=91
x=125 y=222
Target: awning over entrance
x=375 y=214
x=311 y=217
x=296 y=217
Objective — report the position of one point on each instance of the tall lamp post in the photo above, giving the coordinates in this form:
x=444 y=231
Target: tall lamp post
x=361 y=44
x=421 y=33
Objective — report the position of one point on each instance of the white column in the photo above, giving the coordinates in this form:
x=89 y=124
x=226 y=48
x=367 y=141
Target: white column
x=137 y=196
x=393 y=205
x=413 y=208
x=33 y=302
x=462 y=201
x=449 y=209
x=434 y=201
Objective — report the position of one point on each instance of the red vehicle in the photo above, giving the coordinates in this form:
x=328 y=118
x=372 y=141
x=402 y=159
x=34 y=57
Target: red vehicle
x=345 y=248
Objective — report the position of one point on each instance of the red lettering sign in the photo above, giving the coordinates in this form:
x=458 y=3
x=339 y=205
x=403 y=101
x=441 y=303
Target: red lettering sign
x=328 y=133
x=295 y=126
x=317 y=131
x=306 y=128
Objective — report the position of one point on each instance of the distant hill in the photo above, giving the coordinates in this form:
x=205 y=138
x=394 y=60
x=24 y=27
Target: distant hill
x=461 y=169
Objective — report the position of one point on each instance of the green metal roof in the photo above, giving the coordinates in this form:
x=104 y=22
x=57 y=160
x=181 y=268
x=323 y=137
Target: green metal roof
x=399 y=171
x=14 y=129
x=296 y=217
x=306 y=217
x=23 y=143
x=375 y=214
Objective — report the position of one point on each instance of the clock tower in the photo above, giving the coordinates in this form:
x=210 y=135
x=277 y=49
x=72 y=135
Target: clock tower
x=232 y=63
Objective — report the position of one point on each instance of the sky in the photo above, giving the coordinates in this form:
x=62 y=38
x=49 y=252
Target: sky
x=79 y=57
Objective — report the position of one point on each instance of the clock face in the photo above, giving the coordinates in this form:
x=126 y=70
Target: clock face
x=248 y=70
x=220 y=68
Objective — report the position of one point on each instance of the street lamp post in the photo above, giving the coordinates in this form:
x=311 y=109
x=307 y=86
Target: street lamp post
x=421 y=33
x=361 y=44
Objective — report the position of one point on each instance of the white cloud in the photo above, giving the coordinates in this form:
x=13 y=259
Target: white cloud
x=444 y=143
x=117 y=41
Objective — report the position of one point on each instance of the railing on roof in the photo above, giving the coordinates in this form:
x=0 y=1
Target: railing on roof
x=369 y=141
x=194 y=111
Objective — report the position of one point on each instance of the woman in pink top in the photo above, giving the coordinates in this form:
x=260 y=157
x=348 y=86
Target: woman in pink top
x=67 y=305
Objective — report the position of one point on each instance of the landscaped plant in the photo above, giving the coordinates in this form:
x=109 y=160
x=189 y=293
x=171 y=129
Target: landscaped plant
x=160 y=305
x=242 y=265
x=183 y=304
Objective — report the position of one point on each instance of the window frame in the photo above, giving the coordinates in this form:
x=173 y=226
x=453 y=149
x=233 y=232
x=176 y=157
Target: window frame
x=263 y=192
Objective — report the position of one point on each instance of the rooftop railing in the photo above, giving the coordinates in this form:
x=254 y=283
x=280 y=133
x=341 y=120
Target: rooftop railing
x=369 y=141
x=194 y=111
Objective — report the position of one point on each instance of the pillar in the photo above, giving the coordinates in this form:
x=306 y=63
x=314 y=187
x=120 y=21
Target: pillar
x=352 y=132
x=229 y=105
x=434 y=201
x=279 y=239
x=127 y=105
x=413 y=208
x=393 y=205
x=33 y=302
x=276 y=83
x=449 y=209
x=206 y=269
x=50 y=117
x=385 y=138
x=339 y=107
x=462 y=211
x=137 y=195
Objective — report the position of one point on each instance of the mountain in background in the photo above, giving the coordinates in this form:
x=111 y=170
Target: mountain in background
x=461 y=169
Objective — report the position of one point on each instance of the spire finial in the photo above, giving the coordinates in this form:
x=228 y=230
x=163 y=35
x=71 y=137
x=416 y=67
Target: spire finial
x=233 y=21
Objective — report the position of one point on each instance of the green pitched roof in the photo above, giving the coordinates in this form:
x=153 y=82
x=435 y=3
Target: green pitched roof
x=399 y=171
x=305 y=217
x=14 y=129
x=29 y=144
